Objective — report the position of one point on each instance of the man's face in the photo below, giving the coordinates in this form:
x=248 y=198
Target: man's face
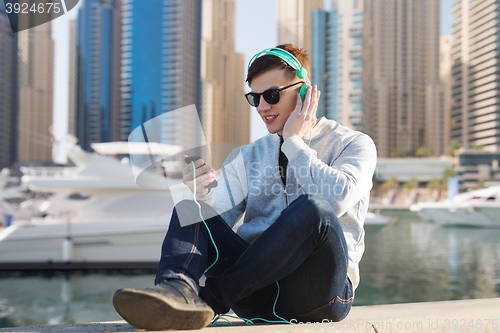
x=276 y=115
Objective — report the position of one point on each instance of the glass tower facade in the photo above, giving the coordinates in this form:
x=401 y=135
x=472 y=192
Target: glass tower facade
x=337 y=50
x=141 y=61
x=327 y=60
x=475 y=106
x=403 y=104
x=160 y=62
x=97 y=86
x=8 y=91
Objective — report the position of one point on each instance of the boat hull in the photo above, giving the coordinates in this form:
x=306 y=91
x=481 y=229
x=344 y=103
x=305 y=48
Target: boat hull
x=92 y=244
x=468 y=216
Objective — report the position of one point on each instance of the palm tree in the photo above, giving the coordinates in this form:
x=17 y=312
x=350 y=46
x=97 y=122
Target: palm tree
x=398 y=152
x=435 y=185
x=423 y=151
x=389 y=184
x=448 y=172
x=480 y=183
x=452 y=147
x=412 y=183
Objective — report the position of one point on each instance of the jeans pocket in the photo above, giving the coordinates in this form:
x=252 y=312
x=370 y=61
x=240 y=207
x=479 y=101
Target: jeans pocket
x=335 y=310
x=346 y=300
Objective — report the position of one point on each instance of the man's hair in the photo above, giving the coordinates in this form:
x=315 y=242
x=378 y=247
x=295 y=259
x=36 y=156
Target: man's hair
x=269 y=62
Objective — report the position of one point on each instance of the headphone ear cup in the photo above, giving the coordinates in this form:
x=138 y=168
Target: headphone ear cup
x=303 y=91
x=302 y=73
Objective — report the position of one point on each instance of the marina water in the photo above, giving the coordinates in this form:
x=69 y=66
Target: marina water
x=407 y=261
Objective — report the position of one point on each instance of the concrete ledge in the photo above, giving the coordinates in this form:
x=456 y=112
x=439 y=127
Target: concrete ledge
x=481 y=315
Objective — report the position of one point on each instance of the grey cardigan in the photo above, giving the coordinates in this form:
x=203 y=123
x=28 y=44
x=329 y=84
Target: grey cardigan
x=338 y=164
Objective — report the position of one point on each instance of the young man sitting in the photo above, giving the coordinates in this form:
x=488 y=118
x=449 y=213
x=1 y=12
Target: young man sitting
x=304 y=189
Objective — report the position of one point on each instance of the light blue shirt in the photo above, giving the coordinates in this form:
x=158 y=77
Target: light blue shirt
x=338 y=165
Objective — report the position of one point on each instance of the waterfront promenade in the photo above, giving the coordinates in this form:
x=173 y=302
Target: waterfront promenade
x=480 y=315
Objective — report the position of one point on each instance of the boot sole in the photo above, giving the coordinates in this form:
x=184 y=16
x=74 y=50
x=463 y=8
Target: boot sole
x=145 y=310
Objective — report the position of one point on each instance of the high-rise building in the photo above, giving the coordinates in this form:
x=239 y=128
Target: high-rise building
x=224 y=110
x=98 y=103
x=475 y=119
x=445 y=63
x=160 y=65
x=8 y=92
x=294 y=19
x=36 y=81
x=73 y=74
x=337 y=70
x=402 y=92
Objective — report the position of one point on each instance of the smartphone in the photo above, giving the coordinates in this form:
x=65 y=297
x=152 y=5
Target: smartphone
x=190 y=159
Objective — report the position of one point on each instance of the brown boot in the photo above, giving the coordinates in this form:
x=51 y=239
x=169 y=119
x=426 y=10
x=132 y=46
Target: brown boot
x=172 y=304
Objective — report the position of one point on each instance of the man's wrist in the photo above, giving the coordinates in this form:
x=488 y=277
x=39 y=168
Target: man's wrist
x=292 y=146
x=290 y=136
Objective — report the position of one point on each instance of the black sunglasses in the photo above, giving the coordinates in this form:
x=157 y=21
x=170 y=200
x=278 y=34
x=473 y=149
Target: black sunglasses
x=271 y=96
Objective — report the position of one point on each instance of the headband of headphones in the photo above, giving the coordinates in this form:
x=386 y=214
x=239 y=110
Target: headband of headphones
x=285 y=56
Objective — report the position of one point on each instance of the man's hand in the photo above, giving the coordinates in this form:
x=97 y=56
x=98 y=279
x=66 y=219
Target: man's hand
x=204 y=176
x=303 y=117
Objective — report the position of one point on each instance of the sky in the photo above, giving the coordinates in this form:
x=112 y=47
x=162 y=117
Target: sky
x=256 y=29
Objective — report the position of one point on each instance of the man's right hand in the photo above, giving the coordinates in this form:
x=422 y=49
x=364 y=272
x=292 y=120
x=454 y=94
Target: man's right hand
x=204 y=176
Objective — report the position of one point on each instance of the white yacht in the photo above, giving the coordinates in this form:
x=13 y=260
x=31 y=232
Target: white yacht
x=11 y=193
x=96 y=216
x=478 y=208
x=376 y=219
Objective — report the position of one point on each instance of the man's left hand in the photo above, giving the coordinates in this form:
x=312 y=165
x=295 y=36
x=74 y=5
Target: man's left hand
x=303 y=117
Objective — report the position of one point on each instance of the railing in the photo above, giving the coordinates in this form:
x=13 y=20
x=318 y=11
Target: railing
x=49 y=171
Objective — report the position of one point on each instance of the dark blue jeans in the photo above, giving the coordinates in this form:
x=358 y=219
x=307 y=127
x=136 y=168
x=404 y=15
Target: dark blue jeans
x=304 y=250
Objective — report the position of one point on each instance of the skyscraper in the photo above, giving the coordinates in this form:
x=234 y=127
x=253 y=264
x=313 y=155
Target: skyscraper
x=295 y=21
x=8 y=92
x=445 y=63
x=475 y=119
x=98 y=72
x=337 y=70
x=36 y=81
x=160 y=65
x=401 y=94
x=73 y=74
x=225 y=112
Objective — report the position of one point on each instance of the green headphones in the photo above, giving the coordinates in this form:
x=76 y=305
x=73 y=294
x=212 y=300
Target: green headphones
x=291 y=61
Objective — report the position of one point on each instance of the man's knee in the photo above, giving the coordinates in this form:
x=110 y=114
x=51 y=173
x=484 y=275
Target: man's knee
x=309 y=211
x=315 y=204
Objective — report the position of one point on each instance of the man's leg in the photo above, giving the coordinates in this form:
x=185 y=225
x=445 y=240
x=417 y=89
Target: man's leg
x=319 y=288
x=186 y=252
x=306 y=237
